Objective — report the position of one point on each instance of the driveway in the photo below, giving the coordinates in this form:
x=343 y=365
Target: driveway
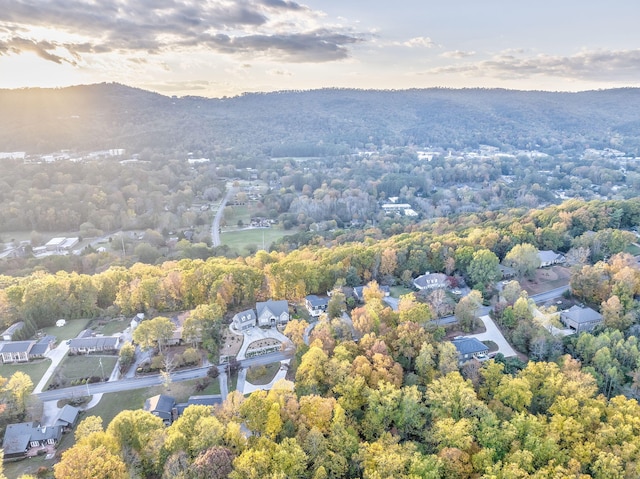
x=56 y=355
x=493 y=334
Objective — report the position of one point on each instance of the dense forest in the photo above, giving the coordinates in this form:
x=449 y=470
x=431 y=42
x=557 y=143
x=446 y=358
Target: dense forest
x=314 y=123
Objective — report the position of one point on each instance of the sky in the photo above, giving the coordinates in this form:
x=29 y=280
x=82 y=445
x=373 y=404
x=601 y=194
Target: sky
x=217 y=48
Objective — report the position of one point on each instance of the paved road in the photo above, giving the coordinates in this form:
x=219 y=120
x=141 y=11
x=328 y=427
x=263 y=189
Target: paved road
x=215 y=227
x=155 y=380
x=492 y=333
x=549 y=295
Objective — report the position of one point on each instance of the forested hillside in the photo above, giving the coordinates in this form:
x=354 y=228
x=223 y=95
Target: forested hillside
x=314 y=123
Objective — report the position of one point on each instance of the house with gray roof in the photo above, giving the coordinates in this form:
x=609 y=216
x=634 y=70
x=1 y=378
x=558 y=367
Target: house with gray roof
x=16 y=351
x=161 y=406
x=66 y=417
x=272 y=312
x=108 y=344
x=470 y=348
x=316 y=305
x=430 y=281
x=19 y=438
x=10 y=332
x=207 y=400
x=244 y=320
x=550 y=258
x=23 y=351
x=580 y=318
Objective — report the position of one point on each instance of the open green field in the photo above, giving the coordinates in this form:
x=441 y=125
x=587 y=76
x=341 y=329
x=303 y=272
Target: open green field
x=69 y=330
x=34 y=369
x=239 y=240
x=237 y=213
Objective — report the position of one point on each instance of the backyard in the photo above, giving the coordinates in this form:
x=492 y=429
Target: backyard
x=547 y=279
x=69 y=330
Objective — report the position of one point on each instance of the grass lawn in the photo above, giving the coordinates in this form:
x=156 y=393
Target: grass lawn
x=260 y=375
x=491 y=345
x=112 y=403
x=77 y=367
x=69 y=330
x=34 y=369
x=397 y=291
x=111 y=327
x=632 y=249
x=239 y=240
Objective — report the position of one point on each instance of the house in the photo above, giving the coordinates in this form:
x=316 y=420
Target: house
x=11 y=331
x=507 y=271
x=272 y=312
x=581 y=319
x=23 y=351
x=549 y=258
x=429 y=281
x=61 y=244
x=94 y=344
x=161 y=406
x=135 y=322
x=244 y=320
x=43 y=345
x=316 y=305
x=16 y=351
x=66 y=418
x=470 y=348
x=19 y=438
x=209 y=400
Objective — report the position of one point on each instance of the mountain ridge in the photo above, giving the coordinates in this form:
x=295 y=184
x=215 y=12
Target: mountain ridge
x=113 y=115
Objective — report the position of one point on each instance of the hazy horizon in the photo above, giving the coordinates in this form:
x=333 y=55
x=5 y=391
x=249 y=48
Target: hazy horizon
x=226 y=48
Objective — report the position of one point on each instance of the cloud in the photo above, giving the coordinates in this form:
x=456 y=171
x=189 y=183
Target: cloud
x=599 y=65
x=282 y=29
x=42 y=49
x=419 y=42
x=457 y=54
x=316 y=46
